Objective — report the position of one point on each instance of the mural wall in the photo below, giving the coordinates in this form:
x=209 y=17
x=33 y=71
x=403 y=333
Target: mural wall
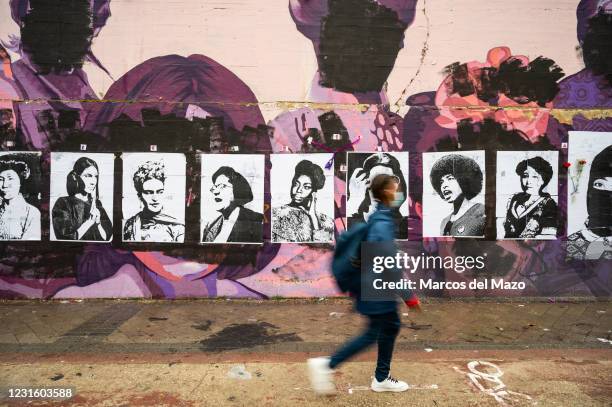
x=212 y=149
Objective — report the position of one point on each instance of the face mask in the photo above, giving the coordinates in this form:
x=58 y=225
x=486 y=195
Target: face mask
x=599 y=207
x=399 y=200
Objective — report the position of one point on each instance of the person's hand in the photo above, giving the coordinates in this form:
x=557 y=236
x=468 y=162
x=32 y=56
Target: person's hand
x=358 y=188
x=312 y=211
x=414 y=304
x=94 y=214
x=417 y=308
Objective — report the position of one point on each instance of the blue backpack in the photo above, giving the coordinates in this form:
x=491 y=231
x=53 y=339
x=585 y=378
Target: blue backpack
x=347 y=257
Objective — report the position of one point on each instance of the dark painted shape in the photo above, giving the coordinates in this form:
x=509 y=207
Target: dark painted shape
x=102 y=324
x=57 y=34
x=239 y=336
x=535 y=82
x=360 y=40
x=205 y=326
x=597 y=45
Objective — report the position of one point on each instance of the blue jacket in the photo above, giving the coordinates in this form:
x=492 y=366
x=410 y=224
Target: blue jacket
x=382 y=229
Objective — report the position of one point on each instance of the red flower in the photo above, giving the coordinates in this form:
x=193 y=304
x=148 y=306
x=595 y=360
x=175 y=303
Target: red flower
x=567 y=165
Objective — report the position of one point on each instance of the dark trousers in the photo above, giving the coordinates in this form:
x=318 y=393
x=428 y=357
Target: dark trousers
x=382 y=329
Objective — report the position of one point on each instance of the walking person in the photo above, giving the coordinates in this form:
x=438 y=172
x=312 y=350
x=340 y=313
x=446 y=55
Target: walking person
x=383 y=318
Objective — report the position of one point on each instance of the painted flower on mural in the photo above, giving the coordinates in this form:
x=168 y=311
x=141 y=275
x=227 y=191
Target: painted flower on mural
x=507 y=88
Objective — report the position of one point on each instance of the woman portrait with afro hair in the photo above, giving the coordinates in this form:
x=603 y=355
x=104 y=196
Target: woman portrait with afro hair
x=302 y=220
x=457 y=179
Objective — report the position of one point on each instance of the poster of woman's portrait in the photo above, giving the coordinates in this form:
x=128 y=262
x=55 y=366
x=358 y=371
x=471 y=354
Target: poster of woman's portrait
x=361 y=169
x=232 y=198
x=453 y=194
x=20 y=194
x=82 y=196
x=589 y=204
x=527 y=194
x=302 y=190
x=154 y=197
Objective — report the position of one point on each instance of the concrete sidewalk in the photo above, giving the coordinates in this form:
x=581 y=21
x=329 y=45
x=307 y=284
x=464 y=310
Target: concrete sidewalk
x=195 y=326
x=244 y=353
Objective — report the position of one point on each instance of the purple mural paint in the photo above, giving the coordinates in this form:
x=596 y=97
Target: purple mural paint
x=195 y=106
x=55 y=41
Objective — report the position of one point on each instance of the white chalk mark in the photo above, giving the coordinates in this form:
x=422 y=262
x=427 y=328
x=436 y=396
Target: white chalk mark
x=482 y=379
x=239 y=372
x=423 y=387
x=357 y=388
x=352 y=389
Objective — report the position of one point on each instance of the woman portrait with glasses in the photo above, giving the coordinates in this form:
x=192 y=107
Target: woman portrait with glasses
x=230 y=193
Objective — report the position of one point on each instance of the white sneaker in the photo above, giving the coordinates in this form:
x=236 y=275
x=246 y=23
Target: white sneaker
x=321 y=376
x=389 y=384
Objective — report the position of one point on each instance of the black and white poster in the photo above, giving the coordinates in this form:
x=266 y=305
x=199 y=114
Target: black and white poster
x=302 y=191
x=589 y=206
x=20 y=194
x=81 y=199
x=361 y=170
x=154 y=197
x=232 y=200
x=527 y=194
x=453 y=194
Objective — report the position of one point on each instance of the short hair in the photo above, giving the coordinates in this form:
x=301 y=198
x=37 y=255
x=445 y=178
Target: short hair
x=541 y=166
x=20 y=167
x=148 y=171
x=312 y=171
x=74 y=182
x=380 y=183
x=242 y=190
x=465 y=170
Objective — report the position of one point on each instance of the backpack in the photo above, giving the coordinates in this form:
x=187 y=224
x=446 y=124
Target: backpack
x=347 y=255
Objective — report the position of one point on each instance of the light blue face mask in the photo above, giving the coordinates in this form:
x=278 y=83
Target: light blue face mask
x=399 y=200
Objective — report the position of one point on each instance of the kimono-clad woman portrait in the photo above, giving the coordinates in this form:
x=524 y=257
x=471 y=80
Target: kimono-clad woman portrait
x=19 y=220
x=80 y=215
x=532 y=213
